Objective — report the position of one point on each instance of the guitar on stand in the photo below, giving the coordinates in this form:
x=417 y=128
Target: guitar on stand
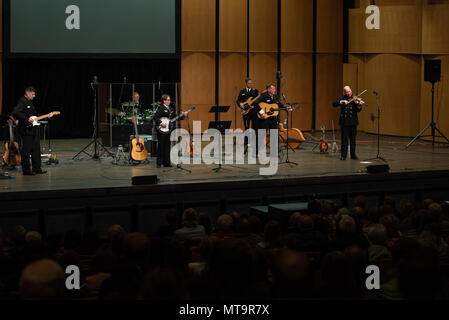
x=138 y=151
x=12 y=156
x=322 y=144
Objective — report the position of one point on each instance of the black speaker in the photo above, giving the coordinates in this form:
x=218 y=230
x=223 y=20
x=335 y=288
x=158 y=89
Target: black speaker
x=378 y=168
x=138 y=180
x=432 y=70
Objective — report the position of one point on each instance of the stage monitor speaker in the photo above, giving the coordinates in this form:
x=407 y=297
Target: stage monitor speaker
x=378 y=168
x=432 y=70
x=139 y=180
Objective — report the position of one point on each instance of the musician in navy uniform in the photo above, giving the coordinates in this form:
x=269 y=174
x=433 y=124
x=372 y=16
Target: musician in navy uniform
x=269 y=97
x=348 y=121
x=29 y=134
x=249 y=119
x=165 y=110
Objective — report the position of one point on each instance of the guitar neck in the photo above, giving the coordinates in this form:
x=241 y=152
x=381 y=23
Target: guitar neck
x=43 y=117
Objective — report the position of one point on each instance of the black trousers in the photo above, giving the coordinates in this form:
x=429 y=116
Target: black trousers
x=31 y=145
x=348 y=133
x=250 y=119
x=163 y=149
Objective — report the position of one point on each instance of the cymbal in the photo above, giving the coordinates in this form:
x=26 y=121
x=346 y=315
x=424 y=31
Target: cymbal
x=114 y=112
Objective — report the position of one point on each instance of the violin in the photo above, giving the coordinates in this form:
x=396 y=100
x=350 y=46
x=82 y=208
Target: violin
x=324 y=146
x=357 y=99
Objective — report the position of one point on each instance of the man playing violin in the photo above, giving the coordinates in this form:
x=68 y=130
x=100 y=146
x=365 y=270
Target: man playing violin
x=350 y=106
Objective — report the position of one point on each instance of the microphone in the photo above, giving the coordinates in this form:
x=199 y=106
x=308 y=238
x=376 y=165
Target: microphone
x=124 y=78
x=279 y=74
x=159 y=85
x=375 y=92
x=283 y=96
x=373 y=117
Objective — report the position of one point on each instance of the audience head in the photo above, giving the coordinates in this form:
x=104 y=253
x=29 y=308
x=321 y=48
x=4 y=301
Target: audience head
x=292 y=275
x=42 y=279
x=377 y=235
x=224 y=223
x=347 y=224
x=190 y=217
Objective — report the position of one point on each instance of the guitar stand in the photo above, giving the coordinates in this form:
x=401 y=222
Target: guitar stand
x=178 y=167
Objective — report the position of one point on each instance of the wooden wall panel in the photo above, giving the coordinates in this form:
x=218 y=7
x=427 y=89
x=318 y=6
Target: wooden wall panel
x=263 y=25
x=233 y=27
x=262 y=68
x=441 y=103
x=232 y=76
x=400 y=29
x=397 y=79
x=198 y=78
x=329 y=26
x=297 y=87
x=198 y=25
x=435 y=31
x=350 y=76
x=297 y=26
x=329 y=86
x=360 y=61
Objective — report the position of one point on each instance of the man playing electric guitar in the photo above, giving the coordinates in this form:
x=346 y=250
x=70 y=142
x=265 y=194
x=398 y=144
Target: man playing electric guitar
x=24 y=111
x=245 y=95
x=165 y=110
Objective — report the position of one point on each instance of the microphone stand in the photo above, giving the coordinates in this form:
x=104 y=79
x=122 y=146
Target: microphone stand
x=94 y=141
x=378 y=157
x=287 y=160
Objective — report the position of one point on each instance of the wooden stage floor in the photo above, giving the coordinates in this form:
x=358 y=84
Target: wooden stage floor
x=86 y=173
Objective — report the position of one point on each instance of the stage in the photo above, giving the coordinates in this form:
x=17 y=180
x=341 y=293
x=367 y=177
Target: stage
x=86 y=173
x=85 y=191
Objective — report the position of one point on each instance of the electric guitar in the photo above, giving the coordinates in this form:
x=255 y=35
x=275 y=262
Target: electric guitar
x=12 y=154
x=247 y=105
x=168 y=122
x=138 y=151
x=36 y=119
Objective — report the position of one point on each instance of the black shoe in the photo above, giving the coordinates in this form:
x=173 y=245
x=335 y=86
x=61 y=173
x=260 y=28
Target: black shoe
x=354 y=158
x=343 y=158
x=158 y=166
x=39 y=171
x=28 y=173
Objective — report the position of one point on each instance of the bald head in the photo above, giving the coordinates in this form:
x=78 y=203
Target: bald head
x=348 y=91
x=43 y=279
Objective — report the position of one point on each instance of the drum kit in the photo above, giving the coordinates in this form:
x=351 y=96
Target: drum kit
x=143 y=114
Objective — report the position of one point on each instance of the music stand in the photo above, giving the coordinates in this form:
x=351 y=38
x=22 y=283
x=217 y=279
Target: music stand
x=220 y=126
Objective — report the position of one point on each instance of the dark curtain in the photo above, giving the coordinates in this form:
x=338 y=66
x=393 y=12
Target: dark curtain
x=65 y=85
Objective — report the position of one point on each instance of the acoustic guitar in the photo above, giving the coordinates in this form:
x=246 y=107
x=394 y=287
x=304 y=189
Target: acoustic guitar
x=271 y=110
x=12 y=154
x=138 y=151
x=324 y=146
